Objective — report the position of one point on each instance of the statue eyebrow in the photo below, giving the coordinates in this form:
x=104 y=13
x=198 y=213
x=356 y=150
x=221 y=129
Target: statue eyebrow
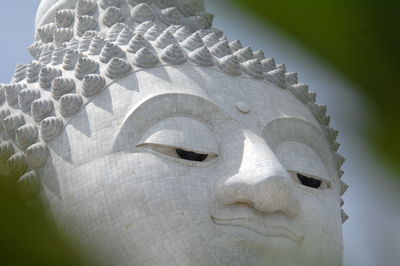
x=179 y=103
x=294 y=124
x=158 y=107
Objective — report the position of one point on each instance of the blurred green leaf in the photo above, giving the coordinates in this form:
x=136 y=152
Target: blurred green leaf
x=360 y=39
x=27 y=235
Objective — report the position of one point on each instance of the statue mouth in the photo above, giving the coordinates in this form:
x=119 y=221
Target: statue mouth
x=260 y=227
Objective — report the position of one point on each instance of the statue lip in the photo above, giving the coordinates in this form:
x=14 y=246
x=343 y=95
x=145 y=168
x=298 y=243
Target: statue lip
x=260 y=227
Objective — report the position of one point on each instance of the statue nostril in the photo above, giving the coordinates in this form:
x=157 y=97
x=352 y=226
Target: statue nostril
x=265 y=195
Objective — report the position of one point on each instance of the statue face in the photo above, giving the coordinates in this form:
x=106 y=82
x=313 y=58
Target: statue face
x=189 y=166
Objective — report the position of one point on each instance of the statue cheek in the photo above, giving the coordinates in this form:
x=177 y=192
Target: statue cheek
x=163 y=182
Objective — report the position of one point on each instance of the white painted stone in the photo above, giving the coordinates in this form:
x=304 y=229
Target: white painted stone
x=145 y=154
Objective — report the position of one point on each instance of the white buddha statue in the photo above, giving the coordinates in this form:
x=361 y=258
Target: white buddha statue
x=156 y=141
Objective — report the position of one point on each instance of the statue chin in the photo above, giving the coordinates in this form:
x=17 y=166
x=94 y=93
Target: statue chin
x=164 y=144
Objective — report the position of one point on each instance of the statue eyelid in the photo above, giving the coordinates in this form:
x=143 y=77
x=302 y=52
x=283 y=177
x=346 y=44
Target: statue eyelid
x=303 y=164
x=300 y=131
x=181 y=137
x=179 y=153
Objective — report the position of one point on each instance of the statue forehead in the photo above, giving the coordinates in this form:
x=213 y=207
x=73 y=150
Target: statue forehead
x=249 y=101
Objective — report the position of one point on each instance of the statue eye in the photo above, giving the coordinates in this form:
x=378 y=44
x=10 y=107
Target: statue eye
x=309 y=181
x=182 y=138
x=191 y=156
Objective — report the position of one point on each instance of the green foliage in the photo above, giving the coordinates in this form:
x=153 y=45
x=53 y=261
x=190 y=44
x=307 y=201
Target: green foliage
x=361 y=39
x=27 y=236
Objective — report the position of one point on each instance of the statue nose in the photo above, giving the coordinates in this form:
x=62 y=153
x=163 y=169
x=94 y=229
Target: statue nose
x=262 y=182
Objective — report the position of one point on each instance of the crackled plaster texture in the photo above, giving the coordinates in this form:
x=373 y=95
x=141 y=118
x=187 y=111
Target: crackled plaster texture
x=155 y=140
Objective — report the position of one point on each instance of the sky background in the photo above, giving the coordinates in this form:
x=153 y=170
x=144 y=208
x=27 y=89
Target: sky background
x=371 y=235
